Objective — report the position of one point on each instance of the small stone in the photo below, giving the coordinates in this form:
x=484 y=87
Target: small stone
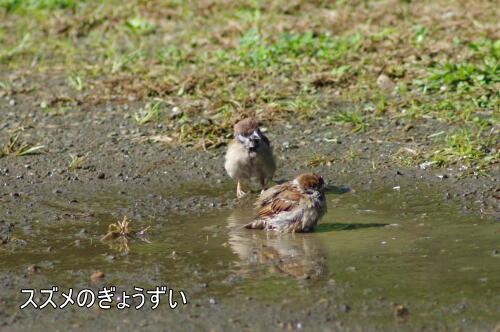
x=33 y=268
x=83 y=232
x=97 y=275
x=345 y=308
x=101 y=176
x=385 y=83
x=427 y=164
x=408 y=127
x=401 y=311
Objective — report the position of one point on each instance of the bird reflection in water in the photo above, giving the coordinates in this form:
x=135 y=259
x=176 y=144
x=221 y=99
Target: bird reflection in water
x=297 y=255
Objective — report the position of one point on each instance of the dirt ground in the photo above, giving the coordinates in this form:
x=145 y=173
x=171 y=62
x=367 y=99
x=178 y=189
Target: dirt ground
x=119 y=153
x=121 y=158
x=331 y=86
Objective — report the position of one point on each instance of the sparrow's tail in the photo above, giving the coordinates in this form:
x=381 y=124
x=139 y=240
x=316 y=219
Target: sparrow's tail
x=256 y=224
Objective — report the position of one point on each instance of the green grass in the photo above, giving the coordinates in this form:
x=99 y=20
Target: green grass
x=305 y=105
x=149 y=113
x=76 y=161
x=471 y=150
x=25 y=5
x=222 y=60
x=76 y=82
x=16 y=147
x=482 y=69
x=354 y=118
x=316 y=160
x=290 y=51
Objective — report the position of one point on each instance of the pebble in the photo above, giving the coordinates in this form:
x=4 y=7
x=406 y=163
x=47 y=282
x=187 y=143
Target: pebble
x=345 y=308
x=97 y=275
x=385 y=83
x=401 y=311
x=33 y=268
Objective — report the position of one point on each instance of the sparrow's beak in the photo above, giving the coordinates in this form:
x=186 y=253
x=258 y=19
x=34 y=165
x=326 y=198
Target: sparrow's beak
x=254 y=141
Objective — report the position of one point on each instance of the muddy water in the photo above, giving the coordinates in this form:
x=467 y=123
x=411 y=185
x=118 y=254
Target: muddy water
x=371 y=252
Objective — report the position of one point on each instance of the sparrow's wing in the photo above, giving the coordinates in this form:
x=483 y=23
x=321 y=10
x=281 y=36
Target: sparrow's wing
x=284 y=201
x=274 y=201
x=268 y=195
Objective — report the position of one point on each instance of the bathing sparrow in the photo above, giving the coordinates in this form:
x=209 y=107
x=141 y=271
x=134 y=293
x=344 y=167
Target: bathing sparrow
x=294 y=206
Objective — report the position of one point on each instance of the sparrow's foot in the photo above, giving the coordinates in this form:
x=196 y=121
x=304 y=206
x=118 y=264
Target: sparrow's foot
x=239 y=192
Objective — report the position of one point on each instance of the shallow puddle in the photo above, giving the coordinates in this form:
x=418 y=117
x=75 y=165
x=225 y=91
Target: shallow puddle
x=371 y=252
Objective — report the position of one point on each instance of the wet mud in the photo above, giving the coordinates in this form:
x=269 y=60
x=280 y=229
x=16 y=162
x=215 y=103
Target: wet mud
x=400 y=248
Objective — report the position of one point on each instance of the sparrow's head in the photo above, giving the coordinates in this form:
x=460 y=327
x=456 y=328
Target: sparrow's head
x=247 y=132
x=310 y=182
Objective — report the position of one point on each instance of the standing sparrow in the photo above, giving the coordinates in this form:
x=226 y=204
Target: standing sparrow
x=249 y=155
x=294 y=206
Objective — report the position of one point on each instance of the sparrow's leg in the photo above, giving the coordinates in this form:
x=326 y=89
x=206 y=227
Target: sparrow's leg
x=263 y=182
x=239 y=192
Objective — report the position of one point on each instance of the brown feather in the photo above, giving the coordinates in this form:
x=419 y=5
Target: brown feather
x=267 y=196
x=306 y=192
x=284 y=199
x=246 y=126
x=310 y=181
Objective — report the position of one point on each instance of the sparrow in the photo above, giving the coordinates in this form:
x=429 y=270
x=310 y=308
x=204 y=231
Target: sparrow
x=294 y=206
x=249 y=155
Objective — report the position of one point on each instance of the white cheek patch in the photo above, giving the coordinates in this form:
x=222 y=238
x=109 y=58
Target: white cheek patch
x=242 y=138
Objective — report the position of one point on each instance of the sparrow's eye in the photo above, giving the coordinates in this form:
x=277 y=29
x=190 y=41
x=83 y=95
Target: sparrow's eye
x=255 y=135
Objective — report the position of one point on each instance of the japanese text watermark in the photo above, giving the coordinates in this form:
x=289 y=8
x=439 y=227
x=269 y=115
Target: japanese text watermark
x=105 y=298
